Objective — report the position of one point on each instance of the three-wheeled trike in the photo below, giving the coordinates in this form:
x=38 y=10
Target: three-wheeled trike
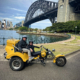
x=17 y=59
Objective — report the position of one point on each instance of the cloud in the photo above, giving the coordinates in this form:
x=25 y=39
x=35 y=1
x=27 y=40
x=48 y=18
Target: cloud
x=20 y=14
x=19 y=17
x=1 y=14
x=6 y=18
x=18 y=9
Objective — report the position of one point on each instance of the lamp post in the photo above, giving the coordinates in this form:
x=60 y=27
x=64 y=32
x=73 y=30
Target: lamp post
x=75 y=31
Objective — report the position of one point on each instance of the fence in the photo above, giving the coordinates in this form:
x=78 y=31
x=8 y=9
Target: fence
x=4 y=40
x=36 y=40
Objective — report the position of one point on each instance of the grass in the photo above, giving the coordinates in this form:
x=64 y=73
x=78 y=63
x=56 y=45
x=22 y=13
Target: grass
x=75 y=41
x=60 y=48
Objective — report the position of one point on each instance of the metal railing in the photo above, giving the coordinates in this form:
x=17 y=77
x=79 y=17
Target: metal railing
x=4 y=40
x=36 y=40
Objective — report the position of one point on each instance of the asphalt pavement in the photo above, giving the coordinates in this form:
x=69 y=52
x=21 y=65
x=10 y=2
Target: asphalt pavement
x=71 y=71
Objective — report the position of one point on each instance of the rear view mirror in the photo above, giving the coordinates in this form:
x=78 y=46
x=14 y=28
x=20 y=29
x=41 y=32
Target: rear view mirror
x=53 y=50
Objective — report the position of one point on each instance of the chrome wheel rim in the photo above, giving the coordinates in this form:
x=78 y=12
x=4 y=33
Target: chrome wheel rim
x=61 y=61
x=16 y=64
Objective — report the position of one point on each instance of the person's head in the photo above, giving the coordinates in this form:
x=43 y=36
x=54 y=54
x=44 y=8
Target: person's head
x=30 y=42
x=24 y=38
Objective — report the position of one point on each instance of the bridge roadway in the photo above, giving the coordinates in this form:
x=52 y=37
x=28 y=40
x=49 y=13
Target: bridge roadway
x=71 y=71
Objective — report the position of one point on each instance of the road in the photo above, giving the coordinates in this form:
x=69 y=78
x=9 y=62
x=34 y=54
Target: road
x=71 y=71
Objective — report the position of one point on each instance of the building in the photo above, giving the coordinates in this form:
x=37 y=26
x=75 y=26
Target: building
x=3 y=24
x=8 y=24
x=11 y=25
x=15 y=26
x=20 y=24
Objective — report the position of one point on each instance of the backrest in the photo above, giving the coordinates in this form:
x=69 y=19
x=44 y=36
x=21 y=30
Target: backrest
x=11 y=42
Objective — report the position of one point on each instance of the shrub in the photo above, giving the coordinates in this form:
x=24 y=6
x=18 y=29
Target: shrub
x=64 y=27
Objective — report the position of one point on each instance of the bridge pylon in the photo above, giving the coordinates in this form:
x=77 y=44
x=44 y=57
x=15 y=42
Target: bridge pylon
x=66 y=12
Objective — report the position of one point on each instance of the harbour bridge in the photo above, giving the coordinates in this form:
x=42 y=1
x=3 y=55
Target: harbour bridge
x=42 y=9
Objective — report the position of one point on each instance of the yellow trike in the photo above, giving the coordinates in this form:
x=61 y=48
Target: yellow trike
x=17 y=59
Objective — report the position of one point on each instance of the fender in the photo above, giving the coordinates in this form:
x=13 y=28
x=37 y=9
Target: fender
x=23 y=56
x=54 y=60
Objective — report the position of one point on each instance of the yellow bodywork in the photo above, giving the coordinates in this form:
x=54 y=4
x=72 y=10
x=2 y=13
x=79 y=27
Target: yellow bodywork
x=54 y=60
x=11 y=53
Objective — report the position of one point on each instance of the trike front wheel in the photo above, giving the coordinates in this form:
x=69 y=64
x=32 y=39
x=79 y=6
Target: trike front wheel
x=61 y=61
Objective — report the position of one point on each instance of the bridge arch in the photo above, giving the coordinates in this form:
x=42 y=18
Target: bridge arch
x=37 y=13
x=43 y=5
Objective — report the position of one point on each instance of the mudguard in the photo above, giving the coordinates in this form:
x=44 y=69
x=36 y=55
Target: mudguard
x=54 y=60
x=23 y=56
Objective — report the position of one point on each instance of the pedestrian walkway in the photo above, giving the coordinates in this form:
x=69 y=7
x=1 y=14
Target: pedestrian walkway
x=2 y=51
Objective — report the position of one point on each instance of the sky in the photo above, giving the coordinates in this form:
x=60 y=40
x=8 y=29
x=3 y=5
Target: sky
x=16 y=10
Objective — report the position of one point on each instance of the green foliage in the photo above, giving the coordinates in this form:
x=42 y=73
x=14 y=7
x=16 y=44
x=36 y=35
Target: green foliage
x=16 y=28
x=64 y=27
x=11 y=29
x=47 y=29
x=23 y=28
x=35 y=29
x=30 y=29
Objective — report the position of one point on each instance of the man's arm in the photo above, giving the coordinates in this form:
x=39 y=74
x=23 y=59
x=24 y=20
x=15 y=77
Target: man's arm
x=19 y=46
x=27 y=46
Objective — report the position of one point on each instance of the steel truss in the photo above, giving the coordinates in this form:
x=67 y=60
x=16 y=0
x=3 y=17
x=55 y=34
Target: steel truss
x=43 y=5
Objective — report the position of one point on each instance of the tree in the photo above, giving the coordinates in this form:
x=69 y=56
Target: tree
x=23 y=29
x=64 y=26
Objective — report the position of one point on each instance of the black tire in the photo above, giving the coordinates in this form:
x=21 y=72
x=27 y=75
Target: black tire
x=61 y=61
x=16 y=64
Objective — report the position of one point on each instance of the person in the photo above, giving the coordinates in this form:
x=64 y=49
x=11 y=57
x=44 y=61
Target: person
x=31 y=46
x=23 y=47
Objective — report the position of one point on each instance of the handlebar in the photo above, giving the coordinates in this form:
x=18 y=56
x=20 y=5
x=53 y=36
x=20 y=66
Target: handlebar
x=46 y=50
x=43 y=47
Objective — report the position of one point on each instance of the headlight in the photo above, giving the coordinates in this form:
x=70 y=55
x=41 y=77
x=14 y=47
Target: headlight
x=49 y=52
x=53 y=50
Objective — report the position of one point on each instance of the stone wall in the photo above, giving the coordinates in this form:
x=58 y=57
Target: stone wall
x=65 y=12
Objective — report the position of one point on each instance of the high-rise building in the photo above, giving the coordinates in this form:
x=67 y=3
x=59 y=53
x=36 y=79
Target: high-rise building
x=4 y=24
x=0 y=24
x=11 y=25
x=4 y=20
x=8 y=24
x=20 y=24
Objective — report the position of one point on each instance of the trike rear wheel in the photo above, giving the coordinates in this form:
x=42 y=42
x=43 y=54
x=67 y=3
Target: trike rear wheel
x=16 y=64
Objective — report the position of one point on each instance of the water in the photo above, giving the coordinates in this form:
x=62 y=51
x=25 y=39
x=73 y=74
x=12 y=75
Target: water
x=8 y=34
